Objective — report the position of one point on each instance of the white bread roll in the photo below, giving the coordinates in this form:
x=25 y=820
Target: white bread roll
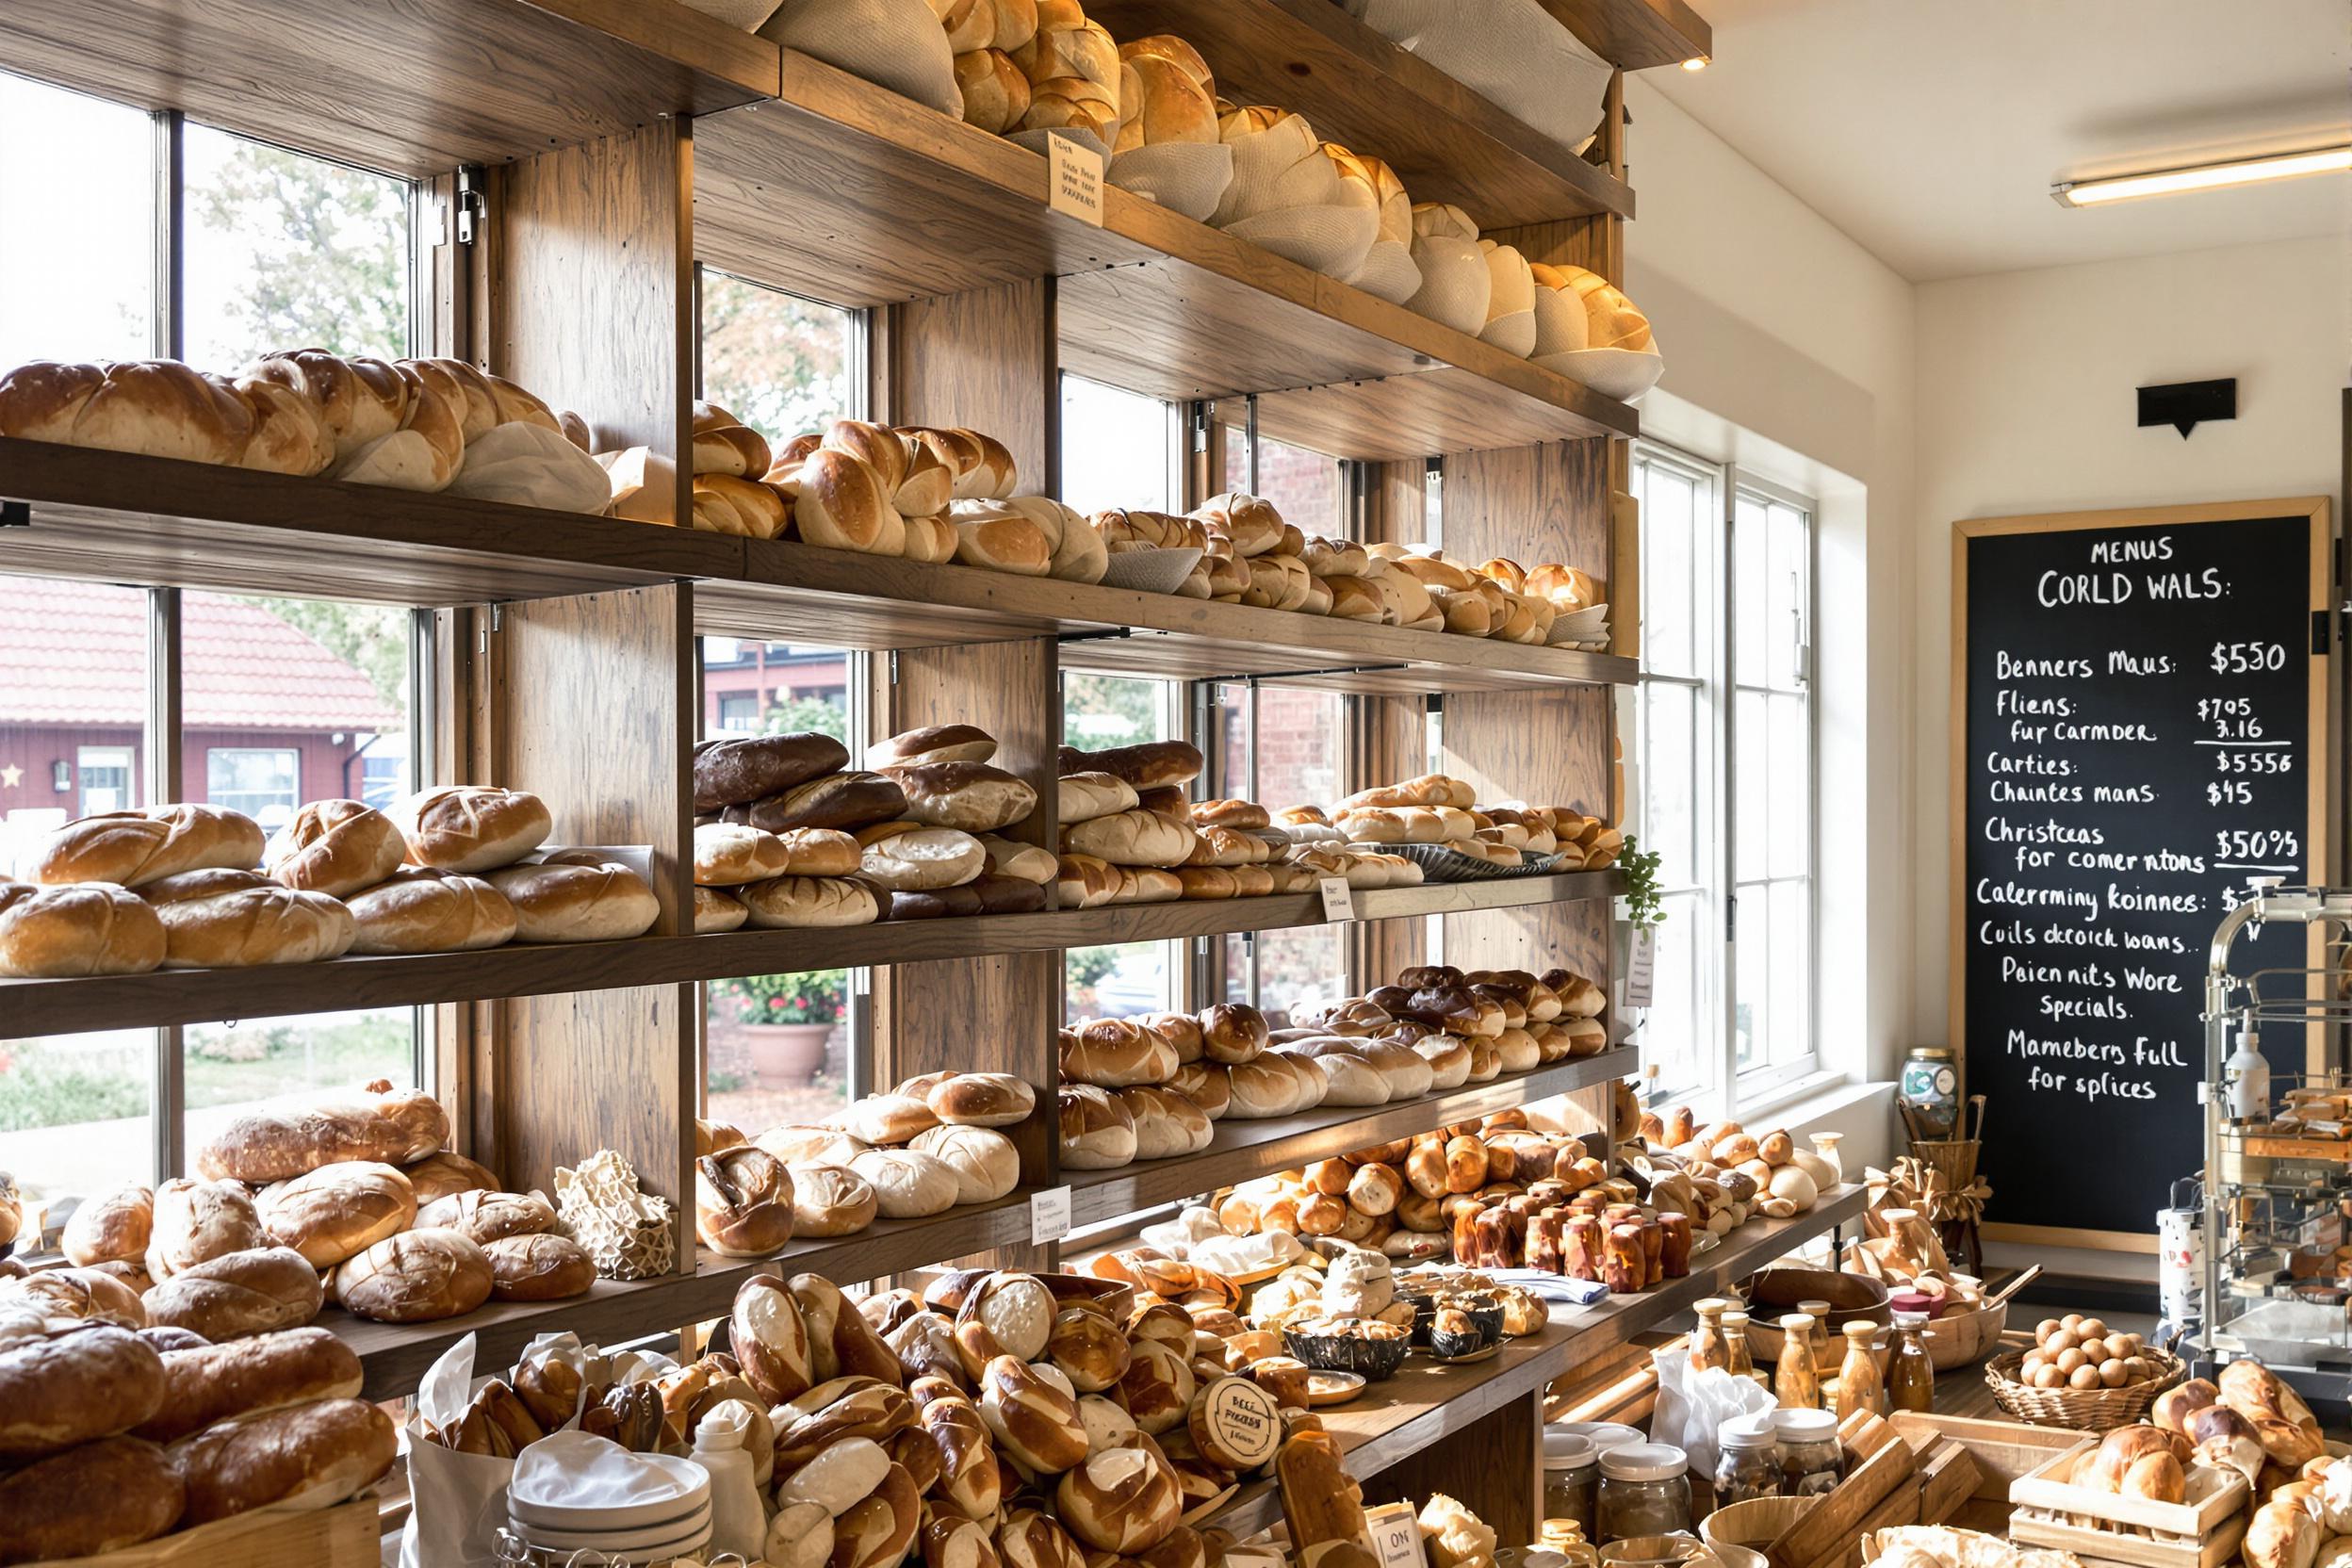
x=422 y=910
x=83 y=929
x=466 y=827
x=335 y=847
x=235 y=920
x=906 y=856
x=141 y=845
x=786 y=901
x=1135 y=838
x=1001 y=537
x=573 y=902
x=907 y=1184
x=1088 y=795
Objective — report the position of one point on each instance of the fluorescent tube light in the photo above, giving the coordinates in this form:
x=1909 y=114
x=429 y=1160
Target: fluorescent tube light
x=2202 y=176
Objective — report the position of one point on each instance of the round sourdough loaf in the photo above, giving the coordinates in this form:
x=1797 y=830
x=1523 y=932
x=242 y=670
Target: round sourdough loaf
x=742 y=1202
x=470 y=827
x=115 y=1224
x=197 y=1220
x=973 y=796
x=335 y=847
x=147 y=844
x=416 y=1277
x=81 y=929
x=811 y=901
x=831 y=1199
x=329 y=1213
x=424 y=910
x=910 y=857
x=571 y=903
x=717 y=911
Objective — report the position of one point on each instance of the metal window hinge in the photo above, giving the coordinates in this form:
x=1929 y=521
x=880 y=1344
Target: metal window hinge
x=893 y=666
x=1200 y=426
x=1731 y=916
x=472 y=201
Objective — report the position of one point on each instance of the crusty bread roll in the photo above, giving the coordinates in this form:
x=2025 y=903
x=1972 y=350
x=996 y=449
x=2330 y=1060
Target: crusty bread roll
x=112 y=1225
x=468 y=828
x=981 y=1099
x=736 y=770
x=414 y=1277
x=742 y=1202
x=972 y=796
x=839 y=800
x=81 y=929
x=717 y=911
x=374 y=1122
x=1025 y=862
x=1087 y=796
x=572 y=902
x=197 y=1220
x=1097 y=1130
x=1135 y=838
x=1116 y=1052
x=888 y=1119
x=329 y=1213
x=811 y=901
x=335 y=847
x=746 y=508
x=219 y=1383
x=831 y=1200
x=484 y=1216
x=1085 y=882
x=238 y=1294
x=425 y=909
x=995 y=93
x=907 y=1184
x=221 y=918
x=143 y=846
x=313 y=1455
x=725 y=444
x=840 y=502
x=1000 y=537
x=443 y=1174
x=1162 y=101
x=90 y=1383
x=909 y=857
x=984 y=1162
x=46 y=1509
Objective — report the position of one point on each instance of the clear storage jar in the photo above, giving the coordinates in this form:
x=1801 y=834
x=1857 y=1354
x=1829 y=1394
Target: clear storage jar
x=1811 y=1462
x=1572 y=1477
x=1747 y=1461
x=1644 y=1491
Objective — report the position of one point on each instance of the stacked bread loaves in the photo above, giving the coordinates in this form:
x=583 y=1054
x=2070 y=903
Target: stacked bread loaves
x=1435 y=809
x=1126 y=824
x=1029 y=1419
x=113 y=1432
x=412 y=424
x=1785 y=1179
x=1150 y=1088
x=932 y=1143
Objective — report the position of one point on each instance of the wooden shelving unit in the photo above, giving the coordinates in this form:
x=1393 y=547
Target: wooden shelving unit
x=165 y=997
x=627 y=141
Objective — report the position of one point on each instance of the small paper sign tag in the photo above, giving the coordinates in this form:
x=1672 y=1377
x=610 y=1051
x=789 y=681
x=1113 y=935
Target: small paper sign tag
x=1339 y=899
x=1075 y=180
x=1049 y=1215
x=1640 y=965
x=1396 y=1536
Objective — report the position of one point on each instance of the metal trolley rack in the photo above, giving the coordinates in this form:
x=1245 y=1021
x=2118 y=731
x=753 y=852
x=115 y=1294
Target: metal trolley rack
x=2278 y=1185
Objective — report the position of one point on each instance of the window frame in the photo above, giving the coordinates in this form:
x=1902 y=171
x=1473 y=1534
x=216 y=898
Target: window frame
x=1716 y=685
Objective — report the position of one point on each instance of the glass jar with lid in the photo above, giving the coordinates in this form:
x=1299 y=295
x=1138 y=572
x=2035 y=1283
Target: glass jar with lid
x=1572 y=1477
x=1747 y=1462
x=1644 y=1491
x=1811 y=1462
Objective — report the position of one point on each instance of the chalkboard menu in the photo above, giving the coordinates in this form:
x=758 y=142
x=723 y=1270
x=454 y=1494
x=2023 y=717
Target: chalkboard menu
x=2136 y=698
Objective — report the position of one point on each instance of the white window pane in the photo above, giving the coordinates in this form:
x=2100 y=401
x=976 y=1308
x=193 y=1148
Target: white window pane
x=284 y=251
x=1118 y=981
x=780 y=363
x=1750 y=786
x=1670 y=742
x=77 y=197
x=1752 y=961
x=1785 y=593
x=1669 y=594
x=1676 y=1033
x=1114 y=447
x=1750 y=665
x=1790 y=1031
x=1788 y=841
x=75 y=1112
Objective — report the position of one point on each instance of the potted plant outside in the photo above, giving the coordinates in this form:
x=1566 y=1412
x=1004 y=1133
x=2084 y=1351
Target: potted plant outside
x=784 y=1021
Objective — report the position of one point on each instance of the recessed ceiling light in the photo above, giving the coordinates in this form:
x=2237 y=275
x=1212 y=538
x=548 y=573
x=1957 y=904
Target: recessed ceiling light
x=1696 y=63
x=2202 y=176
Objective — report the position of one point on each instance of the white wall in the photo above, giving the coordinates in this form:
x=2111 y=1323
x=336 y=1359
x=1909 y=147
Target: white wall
x=2025 y=406
x=1788 y=348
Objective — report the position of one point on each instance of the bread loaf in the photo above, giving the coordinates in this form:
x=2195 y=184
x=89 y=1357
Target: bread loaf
x=843 y=800
x=840 y=502
x=466 y=827
x=717 y=911
x=737 y=770
x=62 y=1298
x=220 y=919
x=981 y=1099
x=423 y=909
x=337 y=1210
x=414 y=1277
x=335 y=847
x=1121 y=1500
x=574 y=903
x=115 y=1224
x=937 y=743
x=145 y=845
x=69 y=932
x=811 y=901
x=1088 y=795
x=484 y=1216
x=238 y=1294
x=831 y=1199
x=377 y=1122
x=1096 y=1132
x=909 y=857
x=742 y=1202
x=443 y=1173
x=217 y=1382
x=1032 y=1415
x=538 y=1267
x=315 y=1455
x=972 y=796
x=99 y=1497
x=1116 y=1052
x=907 y=1184
x=1135 y=838
x=1150 y=764
x=195 y=1221
x=87 y=1382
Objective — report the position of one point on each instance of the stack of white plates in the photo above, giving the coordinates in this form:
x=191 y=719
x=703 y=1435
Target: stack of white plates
x=666 y=1518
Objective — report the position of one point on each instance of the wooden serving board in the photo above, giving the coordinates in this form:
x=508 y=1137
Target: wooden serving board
x=2214 y=1494
x=2113 y=1547
x=344 y=1536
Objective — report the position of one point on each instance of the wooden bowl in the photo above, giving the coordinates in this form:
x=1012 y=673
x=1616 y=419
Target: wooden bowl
x=1851 y=1297
x=1756 y=1523
x=1962 y=1338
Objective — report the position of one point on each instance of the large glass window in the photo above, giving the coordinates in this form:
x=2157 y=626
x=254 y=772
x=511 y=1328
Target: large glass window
x=1726 y=775
x=1116 y=448
x=1097 y=711
x=74 y=166
x=780 y=363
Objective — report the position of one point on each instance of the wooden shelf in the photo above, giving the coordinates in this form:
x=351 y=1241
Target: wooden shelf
x=1425 y=1402
x=396 y=1355
x=412 y=89
x=852 y=194
x=1636 y=35
x=1356 y=88
x=115 y=518
x=207 y=995
x=1245 y=1149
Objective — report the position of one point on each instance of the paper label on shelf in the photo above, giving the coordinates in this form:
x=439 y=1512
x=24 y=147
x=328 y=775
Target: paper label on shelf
x=1075 y=180
x=1641 y=966
x=1396 y=1535
x=1339 y=899
x=1049 y=1215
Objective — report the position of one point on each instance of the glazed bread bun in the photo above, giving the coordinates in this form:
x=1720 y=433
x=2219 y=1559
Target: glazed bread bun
x=468 y=828
x=143 y=846
x=335 y=847
x=574 y=902
x=337 y=1210
x=69 y=932
x=422 y=910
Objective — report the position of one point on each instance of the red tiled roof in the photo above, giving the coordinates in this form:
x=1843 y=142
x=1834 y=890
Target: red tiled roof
x=75 y=653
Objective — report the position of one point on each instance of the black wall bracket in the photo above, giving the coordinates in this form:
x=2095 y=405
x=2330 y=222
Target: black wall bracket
x=2187 y=405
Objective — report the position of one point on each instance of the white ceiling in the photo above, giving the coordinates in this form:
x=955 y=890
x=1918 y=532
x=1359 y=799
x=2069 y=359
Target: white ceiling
x=1932 y=130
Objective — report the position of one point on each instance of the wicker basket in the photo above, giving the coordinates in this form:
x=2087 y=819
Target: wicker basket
x=2086 y=1410
x=1953 y=1159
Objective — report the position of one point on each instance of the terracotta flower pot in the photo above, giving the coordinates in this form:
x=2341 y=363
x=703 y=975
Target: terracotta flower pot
x=784 y=1053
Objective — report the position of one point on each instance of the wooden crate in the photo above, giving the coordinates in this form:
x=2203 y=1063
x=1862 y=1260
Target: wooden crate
x=2198 y=1533
x=2095 y=1545
x=345 y=1536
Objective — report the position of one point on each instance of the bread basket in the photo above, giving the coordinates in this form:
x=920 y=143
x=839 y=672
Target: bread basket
x=2086 y=1410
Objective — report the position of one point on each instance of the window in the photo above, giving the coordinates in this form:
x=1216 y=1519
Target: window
x=1283 y=746
x=265 y=785
x=1117 y=449
x=739 y=712
x=1101 y=710
x=88 y=297
x=105 y=773
x=1306 y=487
x=1726 y=775
x=781 y=364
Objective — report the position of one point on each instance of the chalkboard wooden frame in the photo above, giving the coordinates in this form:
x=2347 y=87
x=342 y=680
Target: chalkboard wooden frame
x=2320 y=772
